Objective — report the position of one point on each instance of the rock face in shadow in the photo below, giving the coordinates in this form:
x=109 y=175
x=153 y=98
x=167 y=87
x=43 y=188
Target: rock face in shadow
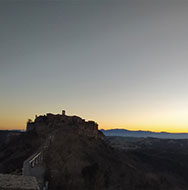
x=81 y=162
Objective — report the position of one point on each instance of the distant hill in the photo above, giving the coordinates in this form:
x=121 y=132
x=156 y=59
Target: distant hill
x=128 y=133
x=6 y=135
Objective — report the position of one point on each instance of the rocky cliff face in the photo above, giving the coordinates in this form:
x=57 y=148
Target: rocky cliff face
x=46 y=124
x=82 y=162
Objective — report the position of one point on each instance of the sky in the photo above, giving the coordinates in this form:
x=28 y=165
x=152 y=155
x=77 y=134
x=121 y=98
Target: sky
x=122 y=63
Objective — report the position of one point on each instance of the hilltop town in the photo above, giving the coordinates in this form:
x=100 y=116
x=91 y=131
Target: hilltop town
x=49 y=123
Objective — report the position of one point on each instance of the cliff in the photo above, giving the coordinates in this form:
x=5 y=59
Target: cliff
x=85 y=163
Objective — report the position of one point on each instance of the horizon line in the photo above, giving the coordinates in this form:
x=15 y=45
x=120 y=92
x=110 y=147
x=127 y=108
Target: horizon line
x=12 y=129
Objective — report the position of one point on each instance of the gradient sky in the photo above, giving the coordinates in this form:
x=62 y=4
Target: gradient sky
x=122 y=63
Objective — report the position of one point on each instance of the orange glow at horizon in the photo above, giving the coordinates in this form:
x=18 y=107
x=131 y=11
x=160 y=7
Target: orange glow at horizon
x=170 y=117
x=140 y=123
x=173 y=129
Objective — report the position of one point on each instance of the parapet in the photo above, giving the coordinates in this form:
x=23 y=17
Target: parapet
x=15 y=182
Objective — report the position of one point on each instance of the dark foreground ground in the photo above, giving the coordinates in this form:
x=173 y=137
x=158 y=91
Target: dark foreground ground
x=163 y=158
x=117 y=163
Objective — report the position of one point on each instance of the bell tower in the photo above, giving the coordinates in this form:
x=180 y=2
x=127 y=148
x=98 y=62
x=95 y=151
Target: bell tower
x=63 y=112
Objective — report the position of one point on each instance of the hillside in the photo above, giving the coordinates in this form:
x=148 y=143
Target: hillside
x=166 y=157
x=15 y=149
x=80 y=162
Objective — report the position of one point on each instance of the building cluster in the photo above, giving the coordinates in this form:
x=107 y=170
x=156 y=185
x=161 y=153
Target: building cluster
x=50 y=122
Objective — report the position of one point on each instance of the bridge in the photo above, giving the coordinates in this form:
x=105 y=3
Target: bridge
x=32 y=162
x=35 y=166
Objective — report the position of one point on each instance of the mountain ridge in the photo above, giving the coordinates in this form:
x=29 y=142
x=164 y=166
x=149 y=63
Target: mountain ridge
x=142 y=133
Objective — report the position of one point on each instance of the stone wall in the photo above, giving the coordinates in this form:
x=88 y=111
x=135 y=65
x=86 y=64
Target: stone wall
x=18 y=182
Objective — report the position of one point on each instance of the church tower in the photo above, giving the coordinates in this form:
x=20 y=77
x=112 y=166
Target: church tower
x=63 y=112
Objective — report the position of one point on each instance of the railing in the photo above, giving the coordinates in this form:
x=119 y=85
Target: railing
x=35 y=166
x=37 y=159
